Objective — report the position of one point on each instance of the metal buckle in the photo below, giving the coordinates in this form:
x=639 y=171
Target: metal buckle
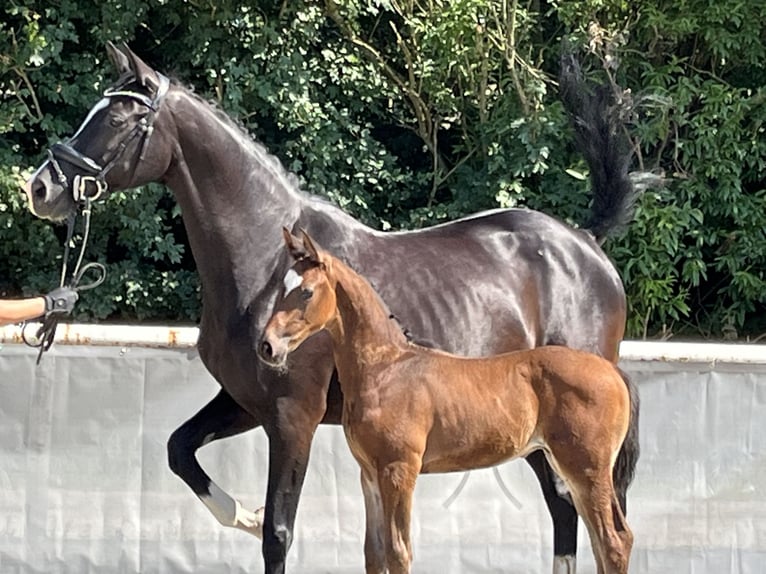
x=79 y=190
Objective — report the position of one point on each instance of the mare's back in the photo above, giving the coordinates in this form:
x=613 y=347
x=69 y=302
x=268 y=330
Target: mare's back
x=496 y=282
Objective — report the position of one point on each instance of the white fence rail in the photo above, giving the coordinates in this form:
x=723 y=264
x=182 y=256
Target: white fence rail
x=85 y=488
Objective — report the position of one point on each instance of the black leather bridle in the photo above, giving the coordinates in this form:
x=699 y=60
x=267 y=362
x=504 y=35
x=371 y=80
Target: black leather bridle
x=96 y=172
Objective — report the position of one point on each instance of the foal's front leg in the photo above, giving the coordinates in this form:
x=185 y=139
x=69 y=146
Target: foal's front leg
x=374 y=537
x=220 y=418
x=397 y=485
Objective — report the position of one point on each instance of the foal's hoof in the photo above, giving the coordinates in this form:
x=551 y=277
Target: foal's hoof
x=250 y=522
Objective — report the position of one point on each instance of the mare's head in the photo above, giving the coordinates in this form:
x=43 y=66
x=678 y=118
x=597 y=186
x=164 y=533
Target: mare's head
x=307 y=303
x=121 y=143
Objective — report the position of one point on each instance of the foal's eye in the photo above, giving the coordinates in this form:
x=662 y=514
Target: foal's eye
x=306 y=294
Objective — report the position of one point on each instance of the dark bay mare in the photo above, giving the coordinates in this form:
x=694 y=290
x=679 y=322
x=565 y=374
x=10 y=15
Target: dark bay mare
x=410 y=410
x=525 y=279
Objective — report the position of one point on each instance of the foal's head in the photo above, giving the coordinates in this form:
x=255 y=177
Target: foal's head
x=307 y=304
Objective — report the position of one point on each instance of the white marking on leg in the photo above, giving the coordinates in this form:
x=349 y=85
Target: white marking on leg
x=249 y=521
x=292 y=281
x=565 y=564
x=561 y=487
x=229 y=512
x=220 y=504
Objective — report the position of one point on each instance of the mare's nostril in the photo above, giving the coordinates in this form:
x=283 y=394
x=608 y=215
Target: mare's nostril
x=38 y=190
x=266 y=350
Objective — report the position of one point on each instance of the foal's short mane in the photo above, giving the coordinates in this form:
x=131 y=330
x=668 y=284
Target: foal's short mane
x=410 y=336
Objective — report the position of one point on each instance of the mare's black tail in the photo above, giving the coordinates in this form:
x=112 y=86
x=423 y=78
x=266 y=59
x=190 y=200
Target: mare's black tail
x=625 y=466
x=599 y=124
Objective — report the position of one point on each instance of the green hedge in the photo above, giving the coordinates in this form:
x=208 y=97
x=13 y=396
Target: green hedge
x=476 y=124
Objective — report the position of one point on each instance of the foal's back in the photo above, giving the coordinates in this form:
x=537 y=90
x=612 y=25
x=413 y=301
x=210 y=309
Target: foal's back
x=476 y=412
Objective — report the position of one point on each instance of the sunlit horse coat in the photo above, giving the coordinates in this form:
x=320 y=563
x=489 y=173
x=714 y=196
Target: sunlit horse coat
x=409 y=409
x=525 y=279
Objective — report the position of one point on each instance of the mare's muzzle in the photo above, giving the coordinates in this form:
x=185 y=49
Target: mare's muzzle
x=90 y=185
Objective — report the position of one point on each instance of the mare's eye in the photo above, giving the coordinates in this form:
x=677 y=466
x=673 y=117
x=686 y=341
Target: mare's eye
x=116 y=122
x=306 y=294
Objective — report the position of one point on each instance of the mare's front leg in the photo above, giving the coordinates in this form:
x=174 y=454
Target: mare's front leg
x=563 y=514
x=299 y=402
x=220 y=418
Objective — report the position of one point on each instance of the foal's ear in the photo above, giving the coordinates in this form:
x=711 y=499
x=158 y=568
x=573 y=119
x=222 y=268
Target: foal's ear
x=293 y=244
x=144 y=73
x=312 y=252
x=118 y=59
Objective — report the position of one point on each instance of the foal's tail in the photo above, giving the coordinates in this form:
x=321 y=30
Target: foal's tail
x=625 y=466
x=599 y=124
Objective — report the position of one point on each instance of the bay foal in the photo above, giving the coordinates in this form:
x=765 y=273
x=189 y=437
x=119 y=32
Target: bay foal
x=410 y=410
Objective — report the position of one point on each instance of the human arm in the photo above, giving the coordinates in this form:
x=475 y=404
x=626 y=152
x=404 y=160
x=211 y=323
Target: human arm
x=60 y=301
x=17 y=310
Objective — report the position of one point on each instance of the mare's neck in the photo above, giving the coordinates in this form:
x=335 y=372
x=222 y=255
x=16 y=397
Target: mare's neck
x=234 y=197
x=364 y=334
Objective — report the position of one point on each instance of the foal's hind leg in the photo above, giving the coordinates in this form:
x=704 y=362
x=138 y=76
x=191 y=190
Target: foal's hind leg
x=563 y=514
x=597 y=503
x=220 y=418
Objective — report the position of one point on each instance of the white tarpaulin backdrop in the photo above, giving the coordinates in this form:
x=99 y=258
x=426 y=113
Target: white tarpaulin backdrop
x=85 y=487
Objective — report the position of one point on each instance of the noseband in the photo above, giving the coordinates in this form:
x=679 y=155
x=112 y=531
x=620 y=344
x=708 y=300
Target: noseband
x=95 y=172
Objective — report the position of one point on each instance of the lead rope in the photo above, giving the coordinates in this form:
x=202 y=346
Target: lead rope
x=46 y=334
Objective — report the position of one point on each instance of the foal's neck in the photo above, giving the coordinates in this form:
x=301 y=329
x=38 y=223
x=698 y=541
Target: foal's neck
x=365 y=333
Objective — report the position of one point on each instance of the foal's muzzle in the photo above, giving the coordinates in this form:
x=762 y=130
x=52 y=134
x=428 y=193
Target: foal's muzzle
x=273 y=351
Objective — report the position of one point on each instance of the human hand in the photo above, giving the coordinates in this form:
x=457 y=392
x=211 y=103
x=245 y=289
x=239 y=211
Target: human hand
x=60 y=301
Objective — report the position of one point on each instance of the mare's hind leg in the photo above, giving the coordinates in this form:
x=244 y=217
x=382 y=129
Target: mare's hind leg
x=220 y=418
x=563 y=514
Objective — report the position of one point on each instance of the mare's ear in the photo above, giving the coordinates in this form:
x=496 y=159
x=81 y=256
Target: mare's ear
x=118 y=59
x=314 y=254
x=293 y=244
x=144 y=73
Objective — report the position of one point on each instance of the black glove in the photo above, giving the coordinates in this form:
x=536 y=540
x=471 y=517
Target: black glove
x=60 y=300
